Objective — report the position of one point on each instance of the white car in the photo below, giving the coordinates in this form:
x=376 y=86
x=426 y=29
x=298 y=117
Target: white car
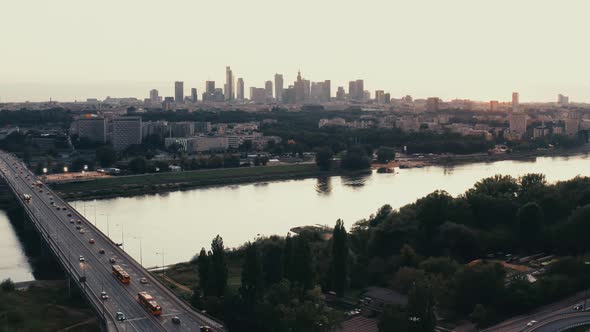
x=104 y=295
x=81 y=259
x=531 y=323
x=143 y=281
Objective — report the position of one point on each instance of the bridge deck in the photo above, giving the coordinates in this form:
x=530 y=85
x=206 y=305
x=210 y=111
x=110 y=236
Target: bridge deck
x=68 y=244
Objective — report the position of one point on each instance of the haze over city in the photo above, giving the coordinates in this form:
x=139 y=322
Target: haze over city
x=68 y=50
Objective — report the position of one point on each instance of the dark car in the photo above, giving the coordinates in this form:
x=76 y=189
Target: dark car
x=175 y=320
x=121 y=316
x=206 y=329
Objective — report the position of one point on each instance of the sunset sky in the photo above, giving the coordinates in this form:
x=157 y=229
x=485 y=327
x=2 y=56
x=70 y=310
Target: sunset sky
x=78 y=49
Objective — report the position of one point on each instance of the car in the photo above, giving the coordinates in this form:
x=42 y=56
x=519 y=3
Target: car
x=205 y=329
x=175 y=320
x=52 y=203
x=78 y=227
x=71 y=221
x=82 y=231
x=112 y=259
x=101 y=251
x=579 y=307
x=64 y=208
x=91 y=241
x=69 y=214
x=120 y=316
x=78 y=221
x=40 y=190
x=104 y=295
x=531 y=323
x=81 y=258
x=143 y=281
x=57 y=208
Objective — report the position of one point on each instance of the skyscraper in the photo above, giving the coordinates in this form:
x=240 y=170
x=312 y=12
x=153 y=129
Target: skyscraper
x=240 y=89
x=194 y=95
x=229 y=84
x=154 y=96
x=279 y=87
x=515 y=102
x=210 y=86
x=340 y=94
x=299 y=86
x=178 y=92
x=268 y=90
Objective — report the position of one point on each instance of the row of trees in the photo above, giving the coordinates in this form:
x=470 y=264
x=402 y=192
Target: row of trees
x=420 y=250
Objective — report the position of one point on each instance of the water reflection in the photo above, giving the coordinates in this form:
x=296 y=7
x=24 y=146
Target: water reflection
x=324 y=186
x=355 y=181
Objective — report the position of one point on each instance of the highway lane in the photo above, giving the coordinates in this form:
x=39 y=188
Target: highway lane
x=98 y=269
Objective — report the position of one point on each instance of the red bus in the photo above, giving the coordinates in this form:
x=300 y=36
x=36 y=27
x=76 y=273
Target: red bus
x=121 y=274
x=149 y=303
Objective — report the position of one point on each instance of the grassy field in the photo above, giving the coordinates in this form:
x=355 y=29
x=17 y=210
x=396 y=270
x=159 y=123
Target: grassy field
x=44 y=308
x=150 y=183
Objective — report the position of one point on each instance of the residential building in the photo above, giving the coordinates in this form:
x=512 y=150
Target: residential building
x=126 y=132
x=380 y=97
x=563 y=100
x=158 y=128
x=518 y=123
x=258 y=95
x=202 y=127
x=181 y=129
x=432 y=104
x=154 y=96
x=340 y=94
x=515 y=102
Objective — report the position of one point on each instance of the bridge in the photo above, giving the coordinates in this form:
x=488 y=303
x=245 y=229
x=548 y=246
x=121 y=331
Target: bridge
x=87 y=256
x=561 y=322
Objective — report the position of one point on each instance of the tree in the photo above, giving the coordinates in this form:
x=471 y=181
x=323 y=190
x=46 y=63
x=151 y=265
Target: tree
x=421 y=307
x=203 y=269
x=7 y=285
x=356 y=159
x=385 y=154
x=339 y=262
x=479 y=315
x=530 y=223
x=252 y=288
x=393 y=319
x=302 y=263
x=272 y=263
x=323 y=158
x=245 y=146
x=138 y=165
x=289 y=258
x=106 y=155
x=218 y=267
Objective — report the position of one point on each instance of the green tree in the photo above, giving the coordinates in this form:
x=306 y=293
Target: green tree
x=355 y=159
x=323 y=158
x=302 y=262
x=272 y=263
x=218 y=267
x=252 y=288
x=421 y=307
x=204 y=271
x=530 y=224
x=479 y=315
x=7 y=285
x=289 y=258
x=339 y=262
x=138 y=165
x=393 y=319
x=106 y=155
x=385 y=154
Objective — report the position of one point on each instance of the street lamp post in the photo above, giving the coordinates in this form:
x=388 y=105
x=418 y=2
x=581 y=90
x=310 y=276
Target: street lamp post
x=586 y=263
x=140 y=250
x=162 y=254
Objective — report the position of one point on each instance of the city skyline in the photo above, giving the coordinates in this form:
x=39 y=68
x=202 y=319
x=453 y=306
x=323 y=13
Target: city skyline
x=456 y=49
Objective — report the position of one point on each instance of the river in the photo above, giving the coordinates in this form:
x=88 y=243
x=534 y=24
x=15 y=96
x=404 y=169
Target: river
x=172 y=227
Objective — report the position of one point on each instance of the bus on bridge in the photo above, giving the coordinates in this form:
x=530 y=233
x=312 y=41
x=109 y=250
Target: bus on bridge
x=120 y=274
x=149 y=303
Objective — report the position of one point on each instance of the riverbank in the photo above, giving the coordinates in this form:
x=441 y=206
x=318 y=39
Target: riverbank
x=133 y=185
x=45 y=306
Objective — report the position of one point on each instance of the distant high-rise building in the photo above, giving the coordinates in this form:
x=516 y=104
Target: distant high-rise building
x=258 y=95
x=306 y=90
x=279 y=88
x=268 y=90
x=518 y=123
x=229 y=84
x=327 y=95
x=92 y=128
x=320 y=91
x=299 y=86
x=563 y=100
x=126 y=132
x=210 y=86
x=179 y=91
x=154 y=96
x=387 y=98
x=240 y=89
x=494 y=104
x=380 y=96
x=340 y=94
x=515 y=102
x=356 y=90
x=194 y=95
x=290 y=95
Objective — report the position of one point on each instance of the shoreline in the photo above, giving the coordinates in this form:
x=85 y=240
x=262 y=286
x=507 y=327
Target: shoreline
x=139 y=185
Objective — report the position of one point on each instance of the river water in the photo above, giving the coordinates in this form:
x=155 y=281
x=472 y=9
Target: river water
x=172 y=227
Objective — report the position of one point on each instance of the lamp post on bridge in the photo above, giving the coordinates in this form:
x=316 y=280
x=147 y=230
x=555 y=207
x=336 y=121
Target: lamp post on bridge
x=140 y=249
x=162 y=253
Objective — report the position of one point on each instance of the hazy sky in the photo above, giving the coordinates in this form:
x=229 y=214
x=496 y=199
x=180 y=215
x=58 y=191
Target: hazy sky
x=75 y=49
